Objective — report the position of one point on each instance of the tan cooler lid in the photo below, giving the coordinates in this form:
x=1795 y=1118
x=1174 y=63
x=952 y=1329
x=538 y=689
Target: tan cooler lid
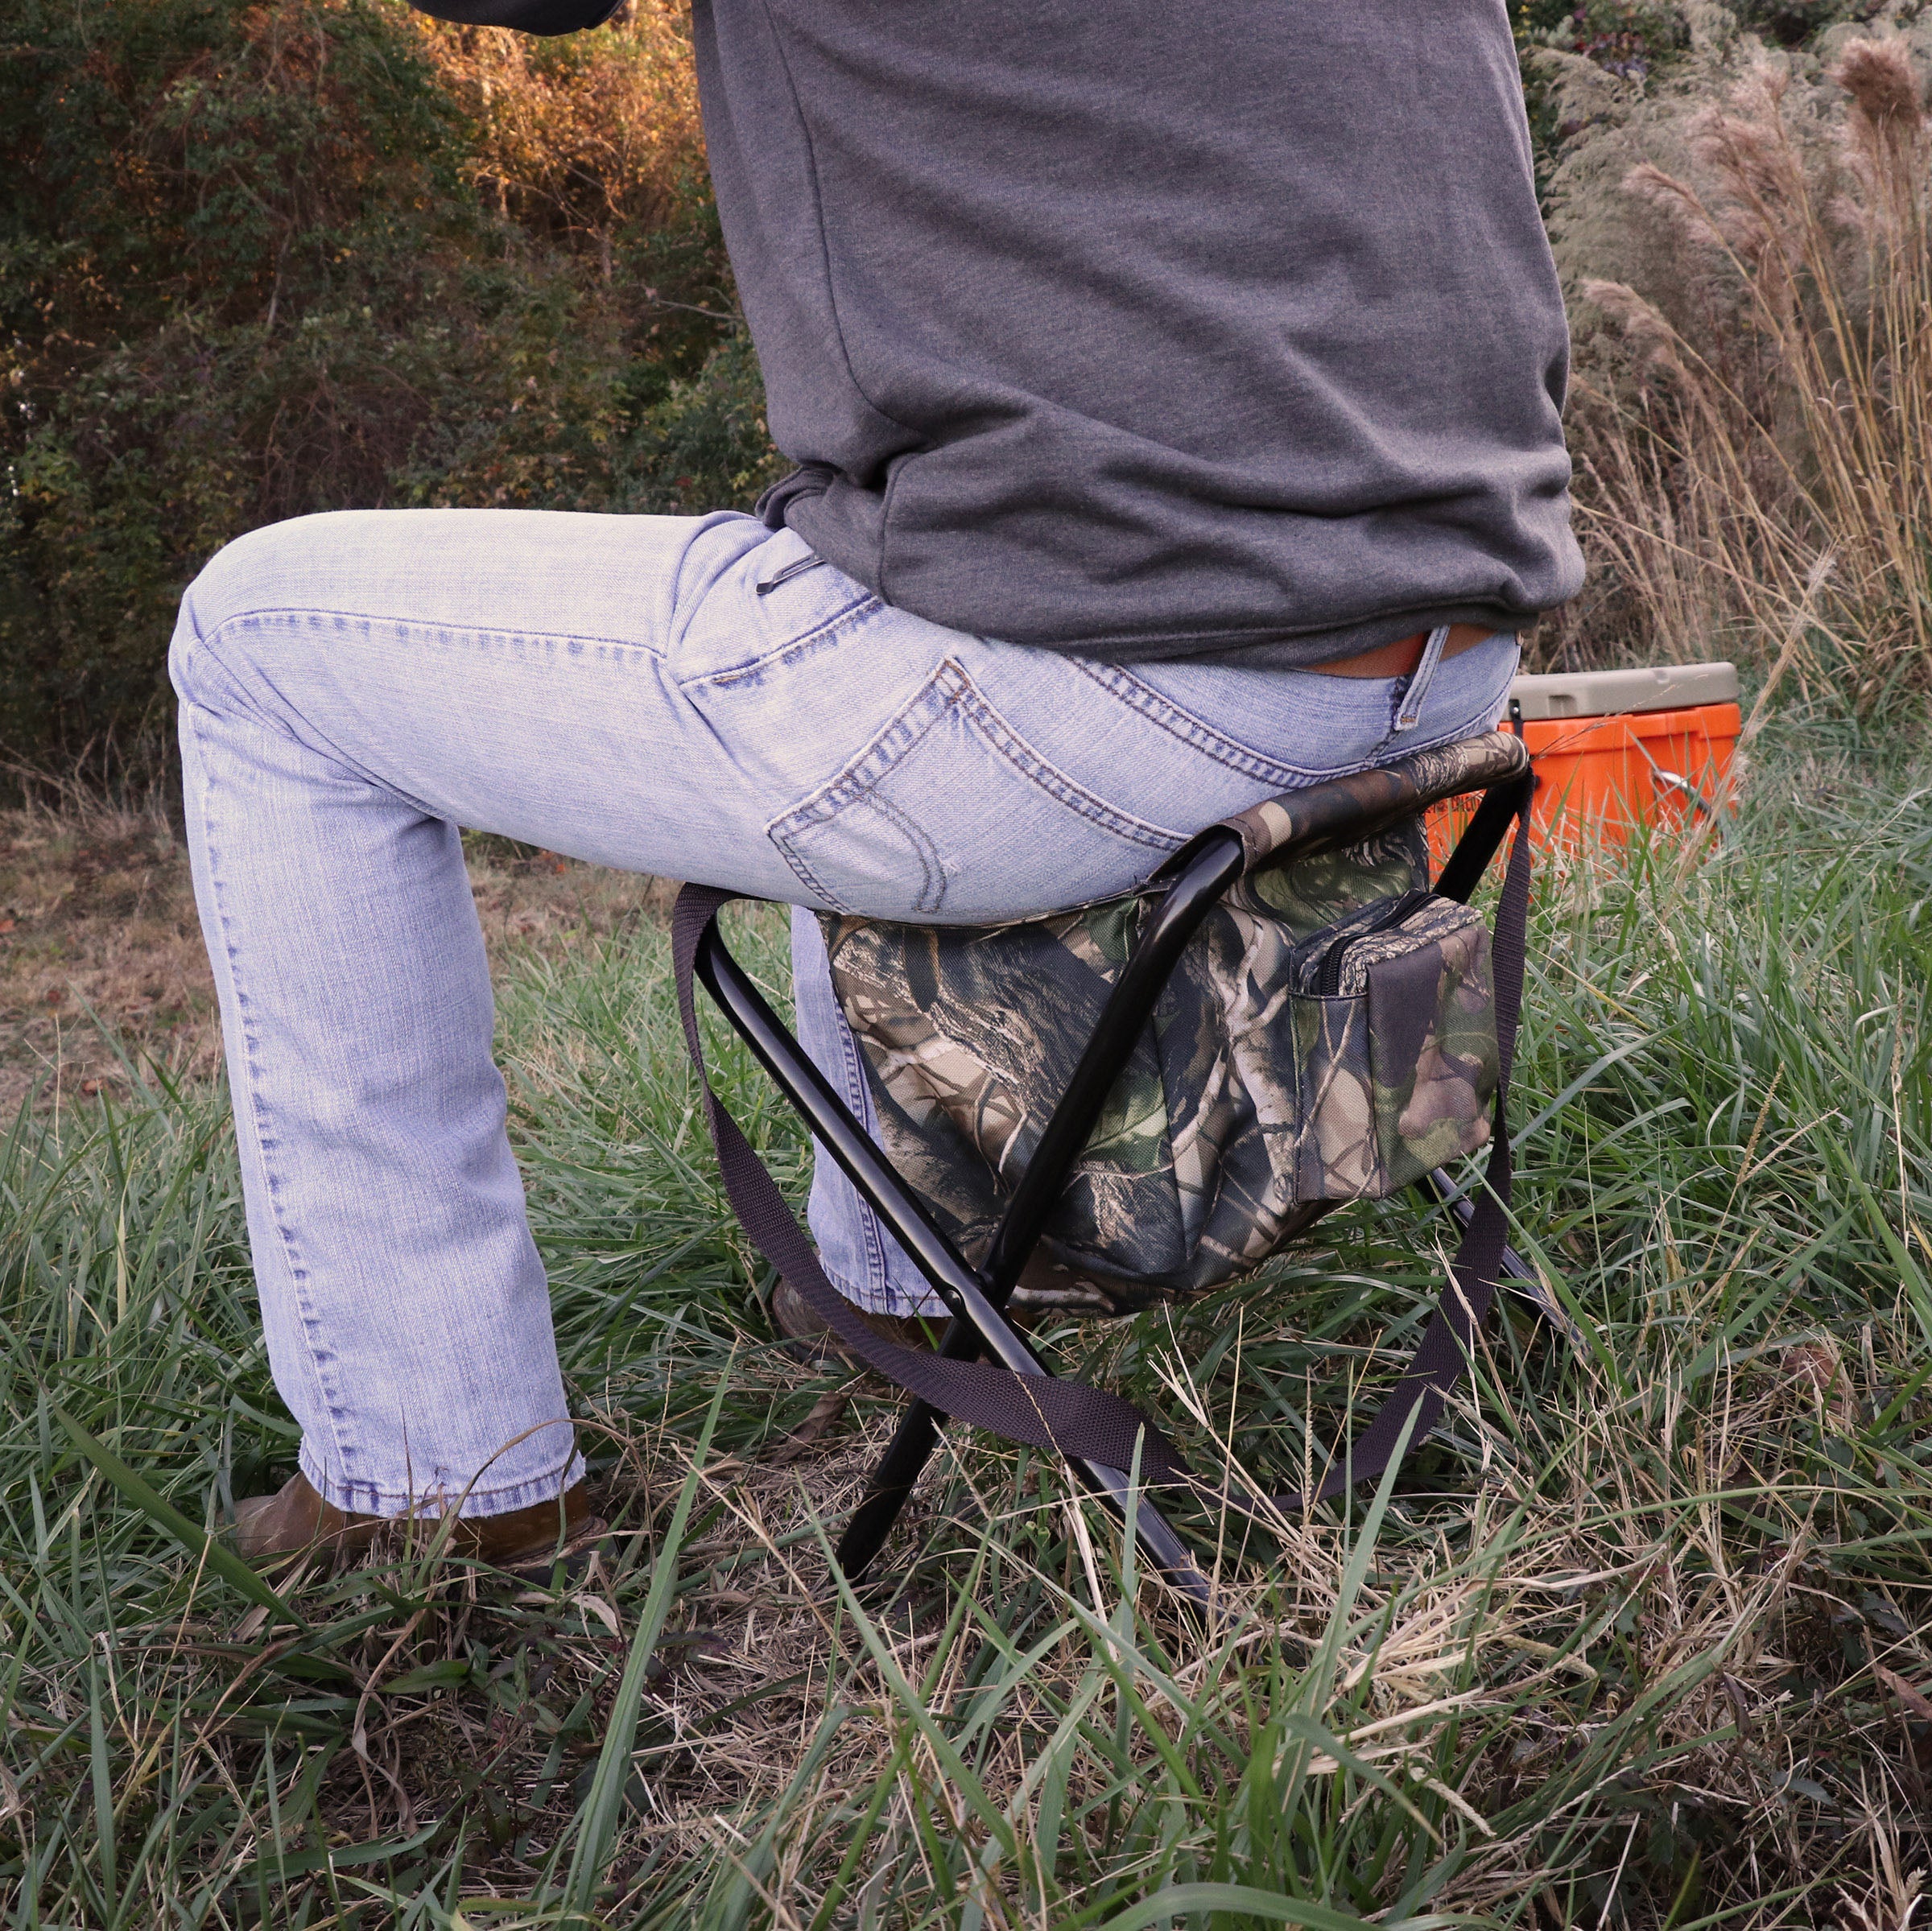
x=1612 y=693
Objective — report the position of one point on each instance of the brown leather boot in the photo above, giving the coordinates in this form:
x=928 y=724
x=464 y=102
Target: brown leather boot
x=811 y=1340
x=297 y=1518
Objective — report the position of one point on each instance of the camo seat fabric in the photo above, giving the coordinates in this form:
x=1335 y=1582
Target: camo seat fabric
x=1269 y=1086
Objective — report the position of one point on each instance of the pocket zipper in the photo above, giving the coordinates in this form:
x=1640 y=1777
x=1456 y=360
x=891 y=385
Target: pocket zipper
x=1327 y=976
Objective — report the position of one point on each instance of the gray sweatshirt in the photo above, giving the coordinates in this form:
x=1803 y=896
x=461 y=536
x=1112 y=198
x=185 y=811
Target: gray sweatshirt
x=1139 y=329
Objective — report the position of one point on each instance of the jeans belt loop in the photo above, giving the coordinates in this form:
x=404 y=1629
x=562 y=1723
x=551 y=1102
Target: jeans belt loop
x=1409 y=716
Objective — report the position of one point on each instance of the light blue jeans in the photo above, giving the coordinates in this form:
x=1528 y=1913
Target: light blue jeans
x=694 y=697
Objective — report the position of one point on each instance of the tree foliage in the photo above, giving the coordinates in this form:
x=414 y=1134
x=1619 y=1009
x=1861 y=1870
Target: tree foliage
x=259 y=260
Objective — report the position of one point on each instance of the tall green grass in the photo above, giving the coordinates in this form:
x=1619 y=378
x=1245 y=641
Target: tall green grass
x=1639 y=1637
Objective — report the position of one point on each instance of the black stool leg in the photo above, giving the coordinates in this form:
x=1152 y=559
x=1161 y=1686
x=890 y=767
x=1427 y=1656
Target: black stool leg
x=1202 y=878
x=981 y=1323
x=899 y=1468
x=911 y=1448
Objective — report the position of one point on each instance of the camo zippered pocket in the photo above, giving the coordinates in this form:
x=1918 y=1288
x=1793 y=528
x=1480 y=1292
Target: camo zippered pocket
x=1331 y=948
x=1393 y=1010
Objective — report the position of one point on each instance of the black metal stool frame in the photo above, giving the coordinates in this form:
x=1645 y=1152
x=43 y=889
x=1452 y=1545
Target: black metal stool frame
x=1189 y=884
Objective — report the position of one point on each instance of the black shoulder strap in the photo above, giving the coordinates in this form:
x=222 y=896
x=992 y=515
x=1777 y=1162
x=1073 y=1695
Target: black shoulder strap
x=1070 y=1417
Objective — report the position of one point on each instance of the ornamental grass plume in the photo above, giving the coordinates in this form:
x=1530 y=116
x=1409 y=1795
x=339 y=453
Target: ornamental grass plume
x=1802 y=429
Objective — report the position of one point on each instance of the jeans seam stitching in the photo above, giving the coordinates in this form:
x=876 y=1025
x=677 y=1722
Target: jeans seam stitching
x=1049 y=778
x=848 y=787
x=315 y=612
x=860 y=1297
x=825 y=628
x=930 y=896
x=291 y=1248
x=1402 y=740
x=858 y=1094
x=1196 y=733
x=806 y=877
x=377 y=1491
x=953 y=688
x=276 y=718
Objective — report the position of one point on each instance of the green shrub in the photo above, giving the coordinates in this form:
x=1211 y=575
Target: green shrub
x=256 y=261
x=1628 y=37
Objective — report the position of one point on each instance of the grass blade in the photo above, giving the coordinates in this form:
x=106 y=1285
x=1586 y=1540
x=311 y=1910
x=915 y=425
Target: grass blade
x=192 y=1536
x=598 y=1821
x=1177 y=1900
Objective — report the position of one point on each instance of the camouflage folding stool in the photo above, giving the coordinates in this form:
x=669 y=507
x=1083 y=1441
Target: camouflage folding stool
x=1150 y=1096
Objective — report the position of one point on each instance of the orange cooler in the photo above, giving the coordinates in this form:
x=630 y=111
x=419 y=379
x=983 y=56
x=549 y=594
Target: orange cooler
x=1614 y=749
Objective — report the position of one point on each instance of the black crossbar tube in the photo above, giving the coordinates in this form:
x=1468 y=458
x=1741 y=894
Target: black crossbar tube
x=1177 y=918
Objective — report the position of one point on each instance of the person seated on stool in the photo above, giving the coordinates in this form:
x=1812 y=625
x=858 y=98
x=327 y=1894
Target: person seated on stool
x=1175 y=395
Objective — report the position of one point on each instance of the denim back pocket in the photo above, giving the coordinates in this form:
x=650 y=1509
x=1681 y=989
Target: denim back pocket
x=948 y=814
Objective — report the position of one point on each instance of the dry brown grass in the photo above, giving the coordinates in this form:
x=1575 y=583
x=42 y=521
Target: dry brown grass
x=1757 y=466
x=97 y=922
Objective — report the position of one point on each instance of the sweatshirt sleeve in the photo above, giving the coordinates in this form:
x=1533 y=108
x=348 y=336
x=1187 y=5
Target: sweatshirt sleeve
x=526 y=16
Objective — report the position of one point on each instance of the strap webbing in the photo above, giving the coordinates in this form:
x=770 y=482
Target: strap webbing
x=1070 y=1417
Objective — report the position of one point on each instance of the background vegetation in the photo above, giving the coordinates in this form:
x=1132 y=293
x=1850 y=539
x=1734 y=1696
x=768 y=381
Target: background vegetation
x=1746 y=232
x=259 y=259
x=1645 y=1638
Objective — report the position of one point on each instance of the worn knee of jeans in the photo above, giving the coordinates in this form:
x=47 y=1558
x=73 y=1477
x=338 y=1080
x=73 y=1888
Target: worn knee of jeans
x=210 y=654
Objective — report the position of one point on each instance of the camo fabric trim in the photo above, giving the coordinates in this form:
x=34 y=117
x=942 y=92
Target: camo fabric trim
x=1247 y=1106
x=1398 y=789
